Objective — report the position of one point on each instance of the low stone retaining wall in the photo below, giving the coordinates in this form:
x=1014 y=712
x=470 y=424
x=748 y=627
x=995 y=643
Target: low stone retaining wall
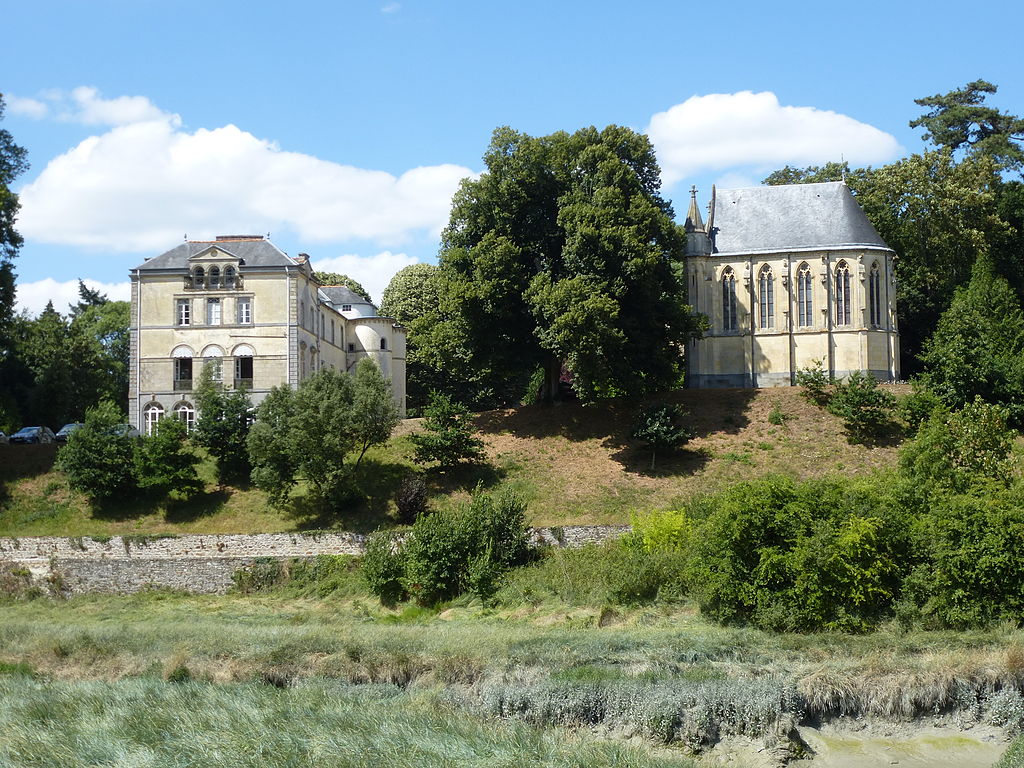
x=201 y=563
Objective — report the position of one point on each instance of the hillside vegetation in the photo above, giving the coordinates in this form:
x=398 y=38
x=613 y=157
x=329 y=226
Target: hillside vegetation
x=573 y=464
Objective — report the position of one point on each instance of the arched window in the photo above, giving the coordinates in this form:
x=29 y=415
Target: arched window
x=199 y=278
x=215 y=277
x=729 y=319
x=842 y=293
x=383 y=343
x=182 y=355
x=766 y=298
x=804 y=296
x=186 y=413
x=213 y=359
x=243 y=366
x=153 y=413
x=875 y=295
x=229 y=278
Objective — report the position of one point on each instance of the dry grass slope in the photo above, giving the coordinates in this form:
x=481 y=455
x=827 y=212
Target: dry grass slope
x=574 y=465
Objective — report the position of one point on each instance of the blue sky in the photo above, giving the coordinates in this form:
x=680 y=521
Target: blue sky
x=342 y=128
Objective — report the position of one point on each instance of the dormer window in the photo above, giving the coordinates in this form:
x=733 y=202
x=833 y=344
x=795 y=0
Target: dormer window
x=346 y=307
x=229 y=278
x=199 y=278
x=215 y=277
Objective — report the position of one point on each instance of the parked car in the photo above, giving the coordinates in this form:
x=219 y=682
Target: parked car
x=125 y=430
x=67 y=429
x=33 y=435
x=3 y=437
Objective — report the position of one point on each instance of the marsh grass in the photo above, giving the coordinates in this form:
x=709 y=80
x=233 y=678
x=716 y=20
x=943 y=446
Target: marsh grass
x=147 y=722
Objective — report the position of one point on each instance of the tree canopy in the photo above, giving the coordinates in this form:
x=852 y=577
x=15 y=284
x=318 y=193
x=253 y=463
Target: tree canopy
x=411 y=294
x=561 y=258
x=960 y=119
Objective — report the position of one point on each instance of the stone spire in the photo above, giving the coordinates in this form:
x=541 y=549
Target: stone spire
x=694 y=223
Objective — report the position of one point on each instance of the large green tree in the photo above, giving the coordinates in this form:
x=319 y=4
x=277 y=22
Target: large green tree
x=960 y=119
x=561 y=257
x=412 y=298
x=13 y=163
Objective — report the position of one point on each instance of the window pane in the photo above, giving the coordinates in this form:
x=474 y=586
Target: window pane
x=213 y=311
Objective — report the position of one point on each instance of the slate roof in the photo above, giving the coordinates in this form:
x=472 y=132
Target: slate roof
x=342 y=294
x=791 y=217
x=255 y=251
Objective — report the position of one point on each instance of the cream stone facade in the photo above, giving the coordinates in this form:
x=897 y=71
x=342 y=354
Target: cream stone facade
x=789 y=276
x=259 y=313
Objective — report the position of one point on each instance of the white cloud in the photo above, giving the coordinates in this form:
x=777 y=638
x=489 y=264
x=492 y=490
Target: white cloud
x=736 y=180
x=33 y=108
x=144 y=183
x=372 y=272
x=89 y=108
x=391 y=8
x=726 y=130
x=33 y=296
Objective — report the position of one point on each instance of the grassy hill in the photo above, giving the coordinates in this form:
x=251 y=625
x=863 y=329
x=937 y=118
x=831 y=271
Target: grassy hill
x=574 y=465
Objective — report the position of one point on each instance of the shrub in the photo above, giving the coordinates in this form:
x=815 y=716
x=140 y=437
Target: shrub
x=449 y=435
x=815 y=383
x=865 y=409
x=98 y=461
x=165 y=464
x=223 y=426
x=667 y=530
x=411 y=499
x=777 y=416
x=661 y=426
x=917 y=407
x=786 y=556
x=954 y=451
x=383 y=567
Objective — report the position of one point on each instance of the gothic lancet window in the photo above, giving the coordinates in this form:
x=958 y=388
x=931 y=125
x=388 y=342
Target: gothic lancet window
x=875 y=296
x=842 y=297
x=729 y=320
x=766 y=298
x=804 y=296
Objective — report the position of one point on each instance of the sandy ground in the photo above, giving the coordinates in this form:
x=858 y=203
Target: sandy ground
x=875 y=746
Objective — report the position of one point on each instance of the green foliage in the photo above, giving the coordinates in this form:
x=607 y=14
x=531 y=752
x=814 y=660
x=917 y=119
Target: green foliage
x=669 y=530
x=450 y=552
x=562 y=252
x=815 y=383
x=313 y=430
x=223 y=426
x=786 y=556
x=661 y=426
x=613 y=573
x=274 y=462
x=336 y=278
x=865 y=409
x=411 y=294
x=383 y=567
x=96 y=461
x=164 y=462
x=958 y=450
x=777 y=416
x=448 y=436
x=961 y=119
x=977 y=349
x=917 y=407
x=974 y=571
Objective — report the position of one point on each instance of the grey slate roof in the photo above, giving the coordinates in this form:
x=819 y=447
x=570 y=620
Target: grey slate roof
x=342 y=294
x=256 y=252
x=792 y=217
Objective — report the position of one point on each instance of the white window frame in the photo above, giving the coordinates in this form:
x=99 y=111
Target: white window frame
x=184 y=312
x=152 y=415
x=243 y=310
x=213 y=318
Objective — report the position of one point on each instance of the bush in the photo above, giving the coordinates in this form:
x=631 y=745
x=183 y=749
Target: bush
x=450 y=552
x=223 y=427
x=815 y=383
x=865 y=409
x=669 y=530
x=411 y=499
x=778 y=417
x=383 y=567
x=449 y=436
x=799 y=557
x=97 y=461
x=165 y=464
x=661 y=426
x=955 y=451
x=917 y=407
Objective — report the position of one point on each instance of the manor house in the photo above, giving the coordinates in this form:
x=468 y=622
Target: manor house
x=789 y=276
x=259 y=316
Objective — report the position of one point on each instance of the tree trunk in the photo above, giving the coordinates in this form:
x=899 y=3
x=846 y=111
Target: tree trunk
x=552 y=374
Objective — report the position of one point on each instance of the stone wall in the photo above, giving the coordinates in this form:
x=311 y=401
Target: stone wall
x=202 y=563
